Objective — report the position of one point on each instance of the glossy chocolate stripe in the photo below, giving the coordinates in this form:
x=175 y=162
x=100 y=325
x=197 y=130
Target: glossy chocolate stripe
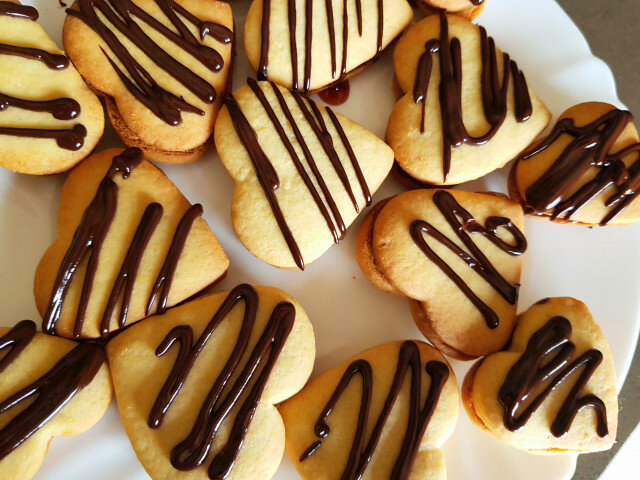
x=66 y=138
x=223 y=396
x=53 y=61
x=59 y=108
x=546 y=362
x=52 y=392
x=16 y=340
x=553 y=191
x=360 y=454
x=11 y=9
x=463 y=223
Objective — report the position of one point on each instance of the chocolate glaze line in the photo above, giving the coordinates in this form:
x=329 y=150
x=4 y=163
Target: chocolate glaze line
x=494 y=92
x=11 y=9
x=87 y=243
x=66 y=138
x=590 y=147
x=463 y=224
x=52 y=392
x=360 y=454
x=16 y=341
x=53 y=61
x=224 y=396
x=137 y=80
x=59 y=108
x=546 y=361
x=265 y=30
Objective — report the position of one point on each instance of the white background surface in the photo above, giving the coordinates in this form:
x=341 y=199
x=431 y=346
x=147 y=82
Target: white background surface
x=598 y=266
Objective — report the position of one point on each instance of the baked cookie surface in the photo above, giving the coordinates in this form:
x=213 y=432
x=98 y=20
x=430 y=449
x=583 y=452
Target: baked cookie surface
x=302 y=172
x=49 y=119
x=382 y=414
x=48 y=387
x=554 y=389
x=304 y=46
x=457 y=256
x=586 y=171
x=162 y=66
x=129 y=245
x=466 y=107
x=466 y=8
x=196 y=387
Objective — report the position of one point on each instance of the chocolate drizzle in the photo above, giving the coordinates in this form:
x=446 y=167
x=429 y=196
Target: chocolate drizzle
x=16 y=340
x=87 y=243
x=11 y=9
x=53 y=61
x=590 y=147
x=263 y=67
x=52 y=391
x=494 y=91
x=59 y=108
x=546 y=361
x=360 y=454
x=463 y=224
x=336 y=94
x=164 y=104
x=194 y=450
x=267 y=175
x=68 y=139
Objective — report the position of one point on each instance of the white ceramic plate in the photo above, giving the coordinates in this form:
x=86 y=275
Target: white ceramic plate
x=598 y=266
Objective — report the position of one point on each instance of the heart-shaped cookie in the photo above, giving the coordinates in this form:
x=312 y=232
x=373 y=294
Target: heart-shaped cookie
x=129 y=245
x=457 y=256
x=554 y=389
x=466 y=107
x=302 y=172
x=48 y=387
x=49 y=119
x=196 y=387
x=587 y=170
x=466 y=8
x=382 y=414
x=161 y=65
x=306 y=46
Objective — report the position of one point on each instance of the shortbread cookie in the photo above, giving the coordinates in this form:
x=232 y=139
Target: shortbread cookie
x=457 y=256
x=306 y=46
x=302 y=172
x=161 y=65
x=466 y=8
x=129 y=245
x=196 y=387
x=382 y=414
x=466 y=109
x=48 y=387
x=587 y=170
x=554 y=389
x=49 y=119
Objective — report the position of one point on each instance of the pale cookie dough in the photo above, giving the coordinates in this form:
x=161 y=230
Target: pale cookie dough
x=559 y=334
x=162 y=72
x=165 y=368
x=49 y=119
x=322 y=435
x=121 y=218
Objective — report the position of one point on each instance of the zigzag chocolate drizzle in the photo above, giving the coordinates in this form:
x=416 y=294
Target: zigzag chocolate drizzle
x=546 y=361
x=292 y=14
x=360 y=454
x=245 y=391
x=137 y=80
x=590 y=147
x=52 y=391
x=463 y=223
x=87 y=244
x=267 y=175
x=494 y=92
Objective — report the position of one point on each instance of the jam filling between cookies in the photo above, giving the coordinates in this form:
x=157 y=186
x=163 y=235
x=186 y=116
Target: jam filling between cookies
x=360 y=454
x=308 y=38
x=545 y=363
x=140 y=83
x=267 y=175
x=463 y=224
x=494 y=92
x=553 y=192
x=87 y=243
x=60 y=108
x=52 y=391
x=245 y=392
